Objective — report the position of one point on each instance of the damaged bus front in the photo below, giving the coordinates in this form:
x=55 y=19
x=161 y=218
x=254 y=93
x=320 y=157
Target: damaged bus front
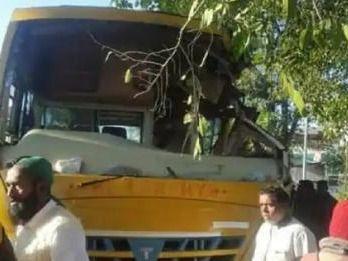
x=75 y=90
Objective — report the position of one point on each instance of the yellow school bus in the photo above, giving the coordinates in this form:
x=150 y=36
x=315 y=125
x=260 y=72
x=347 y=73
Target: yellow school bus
x=119 y=163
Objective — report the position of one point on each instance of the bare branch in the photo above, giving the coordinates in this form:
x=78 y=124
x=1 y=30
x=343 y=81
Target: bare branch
x=316 y=9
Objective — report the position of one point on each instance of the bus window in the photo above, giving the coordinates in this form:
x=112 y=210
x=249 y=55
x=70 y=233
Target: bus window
x=68 y=119
x=117 y=123
x=121 y=123
x=19 y=117
x=132 y=133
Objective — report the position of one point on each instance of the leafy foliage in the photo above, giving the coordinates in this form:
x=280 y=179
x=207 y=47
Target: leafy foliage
x=333 y=159
x=298 y=47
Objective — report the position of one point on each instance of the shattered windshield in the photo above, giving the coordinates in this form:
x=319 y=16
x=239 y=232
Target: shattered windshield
x=122 y=124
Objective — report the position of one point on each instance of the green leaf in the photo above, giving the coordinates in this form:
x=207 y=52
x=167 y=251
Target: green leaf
x=291 y=92
x=207 y=17
x=197 y=149
x=188 y=118
x=305 y=37
x=245 y=10
x=258 y=27
x=317 y=37
x=193 y=9
x=345 y=30
x=285 y=83
x=259 y=57
x=327 y=24
x=189 y=100
x=289 y=8
x=298 y=100
x=128 y=76
x=240 y=42
x=264 y=118
x=336 y=35
x=202 y=125
x=218 y=7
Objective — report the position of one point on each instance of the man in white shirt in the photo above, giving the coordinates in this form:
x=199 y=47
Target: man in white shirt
x=281 y=237
x=45 y=230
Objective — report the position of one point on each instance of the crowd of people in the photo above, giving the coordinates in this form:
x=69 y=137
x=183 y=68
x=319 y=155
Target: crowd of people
x=313 y=207
x=293 y=224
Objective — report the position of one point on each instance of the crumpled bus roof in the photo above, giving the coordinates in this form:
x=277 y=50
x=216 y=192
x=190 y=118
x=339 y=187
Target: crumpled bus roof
x=110 y=14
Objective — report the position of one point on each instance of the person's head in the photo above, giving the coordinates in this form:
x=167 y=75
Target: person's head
x=322 y=186
x=339 y=221
x=306 y=186
x=28 y=184
x=274 y=204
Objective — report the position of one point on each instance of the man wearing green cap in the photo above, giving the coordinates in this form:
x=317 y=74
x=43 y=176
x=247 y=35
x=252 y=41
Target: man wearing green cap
x=45 y=230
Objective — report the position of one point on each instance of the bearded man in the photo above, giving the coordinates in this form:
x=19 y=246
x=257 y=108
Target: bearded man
x=45 y=230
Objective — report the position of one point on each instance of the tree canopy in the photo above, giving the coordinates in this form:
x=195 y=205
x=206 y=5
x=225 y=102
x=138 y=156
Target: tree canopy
x=289 y=53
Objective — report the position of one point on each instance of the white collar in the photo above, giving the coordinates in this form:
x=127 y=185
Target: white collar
x=35 y=221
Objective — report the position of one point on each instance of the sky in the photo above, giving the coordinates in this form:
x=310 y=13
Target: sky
x=8 y=6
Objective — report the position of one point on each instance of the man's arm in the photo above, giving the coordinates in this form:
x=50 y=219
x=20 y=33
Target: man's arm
x=305 y=243
x=258 y=244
